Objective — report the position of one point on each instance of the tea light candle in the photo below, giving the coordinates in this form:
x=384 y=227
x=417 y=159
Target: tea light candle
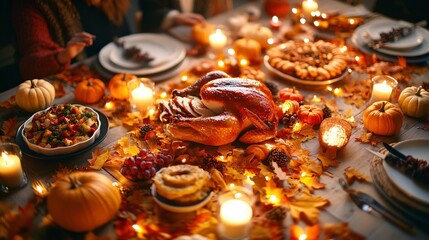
x=235 y=216
x=218 y=41
x=142 y=97
x=275 y=23
x=309 y=6
x=11 y=174
x=382 y=88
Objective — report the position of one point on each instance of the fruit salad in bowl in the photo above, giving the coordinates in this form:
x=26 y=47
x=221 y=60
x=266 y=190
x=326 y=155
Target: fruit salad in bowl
x=61 y=129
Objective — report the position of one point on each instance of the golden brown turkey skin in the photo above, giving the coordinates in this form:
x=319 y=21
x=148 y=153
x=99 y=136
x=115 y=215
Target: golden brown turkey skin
x=241 y=108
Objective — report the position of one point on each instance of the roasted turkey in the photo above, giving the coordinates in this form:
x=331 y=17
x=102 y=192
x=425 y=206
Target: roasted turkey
x=218 y=109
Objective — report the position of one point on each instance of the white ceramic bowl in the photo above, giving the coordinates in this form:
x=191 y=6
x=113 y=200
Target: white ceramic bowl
x=61 y=150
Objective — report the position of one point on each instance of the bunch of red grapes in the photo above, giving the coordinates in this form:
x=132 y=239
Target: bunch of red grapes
x=144 y=165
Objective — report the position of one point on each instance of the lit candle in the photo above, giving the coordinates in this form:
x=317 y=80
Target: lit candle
x=235 y=216
x=217 y=41
x=382 y=88
x=275 y=23
x=109 y=105
x=142 y=97
x=11 y=174
x=40 y=189
x=309 y=6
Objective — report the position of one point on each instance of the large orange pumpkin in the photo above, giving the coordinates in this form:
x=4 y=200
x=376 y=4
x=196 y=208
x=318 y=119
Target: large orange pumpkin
x=383 y=118
x=83 y=201
x=118 y=85
x=89 y=90
x=310 y=114
x=200 y=32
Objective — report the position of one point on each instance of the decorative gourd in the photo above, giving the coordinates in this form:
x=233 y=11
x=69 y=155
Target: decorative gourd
x=383 y=118
x=310 y=114
x=257 y=32
x=290 y=106
x=277 y=7
x=414 y=102
x=83 y=201
x=34 y=95
x=89 y=90
x=290 y=93
x=200 y=32
x=118 y=85
x=247 y=48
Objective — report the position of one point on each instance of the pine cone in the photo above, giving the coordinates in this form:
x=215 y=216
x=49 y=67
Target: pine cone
x=144 y=130
x=327 y=112
x=210 y=162
x=280 y=157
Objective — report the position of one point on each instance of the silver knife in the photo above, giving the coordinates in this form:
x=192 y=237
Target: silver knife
x=394 y=151
x=366 y=203
x=377 y=154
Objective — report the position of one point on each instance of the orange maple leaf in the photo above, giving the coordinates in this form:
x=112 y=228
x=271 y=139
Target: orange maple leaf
x=326 y=160
x=340 y=231
x=353 y=174
x=306 y=207
x=311 y=182
x=9 y=103
x=59 y=88
x=368 y=137
x=9 y=129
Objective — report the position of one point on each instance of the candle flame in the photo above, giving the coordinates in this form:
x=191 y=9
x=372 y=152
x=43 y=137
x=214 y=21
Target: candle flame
x=238 y=195
x=231 y=185
x=5 y=157
x=270 y=41
x=303 y=236
x=343 y=49
x=357 y=58
x=163 y=95
x=316 y=23
x=302 y=21
x=137 y=228
x=221 y=63
x=273 y=199
x=294 y=10
x=244 y=62
x=275 y=19
x=183 y=160
x=351 y=21
x=329 y=88
x=267 y=178
x=184 y=78
x=115 y=184
x=231 y=51
x=317 y=13
x=109 y=105
x=39 y=188
x=324 y=15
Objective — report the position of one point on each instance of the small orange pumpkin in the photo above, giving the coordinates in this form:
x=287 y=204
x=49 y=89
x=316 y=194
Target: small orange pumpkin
x=200 y=32
x=83 y=201
x=383 y=118
x=89 y=90
x=310 y=114
x=290 y=106
x=247 y=48
x=118 y=85
x=290 y=93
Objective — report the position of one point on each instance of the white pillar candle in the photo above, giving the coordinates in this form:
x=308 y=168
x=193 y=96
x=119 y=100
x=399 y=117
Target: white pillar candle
x=235 y=217
x=218 y=41
x=381 y=92
x=11 y=174
x=142 y=97
x=309 y=6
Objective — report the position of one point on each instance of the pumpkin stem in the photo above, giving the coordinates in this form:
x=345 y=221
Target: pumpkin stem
x=32 y=83
x=124 y=77
x=89 y=83
x=382 y=107
x=418 y=91
x=74 y=183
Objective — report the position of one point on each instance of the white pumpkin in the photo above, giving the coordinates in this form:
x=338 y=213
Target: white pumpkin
x=35 y=95
x=257 y=32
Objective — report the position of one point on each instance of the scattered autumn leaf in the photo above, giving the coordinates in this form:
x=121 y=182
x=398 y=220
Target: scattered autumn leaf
x=340 y=231
x=99 y=158
x=59 y=88
x=9 y=103
x=353 y=174
x=306 y=208
x=311 y=182
x=326 y=160
x=125 y=148
x=8 y=129
x=368 y=137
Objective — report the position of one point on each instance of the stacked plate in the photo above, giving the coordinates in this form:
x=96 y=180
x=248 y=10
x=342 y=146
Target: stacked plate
x=414 y=47
x=405 y=193
x=168 y=56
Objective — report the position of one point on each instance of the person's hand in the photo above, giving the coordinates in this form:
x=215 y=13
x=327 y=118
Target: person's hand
x=188 y=19
x=75 y=46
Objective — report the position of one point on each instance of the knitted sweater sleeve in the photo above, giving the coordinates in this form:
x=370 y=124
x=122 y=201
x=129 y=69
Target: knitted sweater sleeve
x=36 y=48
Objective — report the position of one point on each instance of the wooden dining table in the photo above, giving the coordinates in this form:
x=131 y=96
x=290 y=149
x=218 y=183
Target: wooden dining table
x=341 y=208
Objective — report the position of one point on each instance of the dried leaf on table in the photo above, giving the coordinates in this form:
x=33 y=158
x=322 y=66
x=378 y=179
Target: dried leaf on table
x=204 y=223
x=311 y=182
x=14 y=223
x=368 y=137
x=327 y=161
x=303 y=132
x=306 y=208
x=59 y=88
x=8 y=129
x=353 y=174
x=266 y=171
x=125 y=148
x=9 y=103
x=99 y=158
x=340 y=231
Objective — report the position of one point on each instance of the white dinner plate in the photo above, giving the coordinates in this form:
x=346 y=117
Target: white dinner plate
x=420 y=50
x=166 y=51
x=302 y=81
x=405 y=43
x=418 y=148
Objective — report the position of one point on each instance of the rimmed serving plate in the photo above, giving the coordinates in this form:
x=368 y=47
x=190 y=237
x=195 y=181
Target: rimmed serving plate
x=166 y=51
x=405 y=43
x=302 y=81
x=418 y=148
x=103 y=129
x=177 y=208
